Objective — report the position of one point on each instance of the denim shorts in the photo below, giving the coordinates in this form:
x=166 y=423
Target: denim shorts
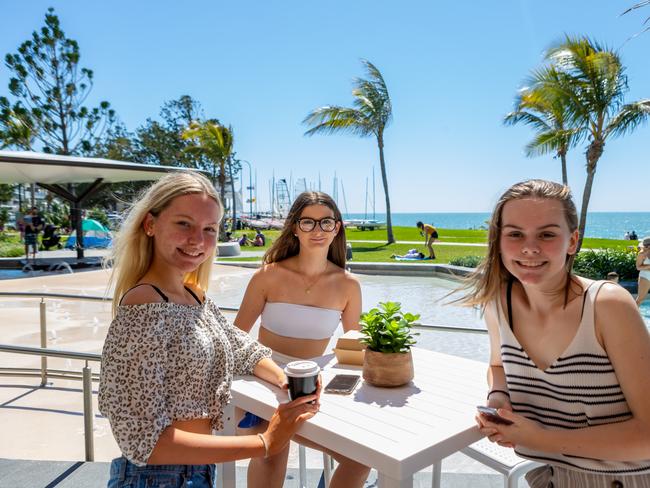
x=125 y=474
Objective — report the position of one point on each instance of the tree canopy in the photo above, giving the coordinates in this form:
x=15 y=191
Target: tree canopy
x=50 y=89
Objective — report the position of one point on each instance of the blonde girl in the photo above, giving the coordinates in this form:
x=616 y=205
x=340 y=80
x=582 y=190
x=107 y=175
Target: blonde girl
x=170 y=354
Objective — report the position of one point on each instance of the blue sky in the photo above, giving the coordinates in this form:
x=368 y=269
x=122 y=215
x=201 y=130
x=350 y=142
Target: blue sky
x=452 y=69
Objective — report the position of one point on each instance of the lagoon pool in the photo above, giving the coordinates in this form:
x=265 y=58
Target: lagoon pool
x=82 y=325
x=423 y=295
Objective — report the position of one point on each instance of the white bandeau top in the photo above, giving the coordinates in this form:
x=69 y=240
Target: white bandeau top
x=300 y=321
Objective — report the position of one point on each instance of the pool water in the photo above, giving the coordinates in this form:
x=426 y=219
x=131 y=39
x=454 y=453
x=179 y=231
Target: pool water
x=428 y=297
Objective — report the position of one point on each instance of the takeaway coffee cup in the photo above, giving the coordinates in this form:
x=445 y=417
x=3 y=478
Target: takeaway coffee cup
x=302 y=377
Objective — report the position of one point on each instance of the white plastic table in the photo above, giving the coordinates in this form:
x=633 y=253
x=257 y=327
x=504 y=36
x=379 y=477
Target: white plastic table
x=397 y=431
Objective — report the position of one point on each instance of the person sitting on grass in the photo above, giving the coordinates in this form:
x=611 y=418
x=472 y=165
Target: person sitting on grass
x=260 y=239
x=430 y=235
x=244 y=240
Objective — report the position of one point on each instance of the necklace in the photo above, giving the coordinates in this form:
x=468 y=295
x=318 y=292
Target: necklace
x=308 y=285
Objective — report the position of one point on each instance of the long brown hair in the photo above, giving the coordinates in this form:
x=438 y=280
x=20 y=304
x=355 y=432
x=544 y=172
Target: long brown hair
x=485 y=283
x=287 y=244
x=133 y=250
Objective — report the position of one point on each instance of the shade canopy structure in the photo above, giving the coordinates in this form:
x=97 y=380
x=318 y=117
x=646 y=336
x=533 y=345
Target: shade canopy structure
x=55 y=173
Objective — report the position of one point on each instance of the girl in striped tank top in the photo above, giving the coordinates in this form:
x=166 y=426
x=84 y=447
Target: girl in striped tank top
x=570 y=357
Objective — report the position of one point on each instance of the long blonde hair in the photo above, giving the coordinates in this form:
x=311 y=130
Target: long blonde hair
x=133 y=250
x=485 y=283
x=287 y=244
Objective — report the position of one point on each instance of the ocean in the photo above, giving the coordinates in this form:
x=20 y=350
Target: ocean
x=610 y=225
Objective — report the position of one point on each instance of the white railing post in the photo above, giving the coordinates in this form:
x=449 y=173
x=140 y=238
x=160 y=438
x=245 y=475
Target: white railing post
x=88 y=413
x=43 y=311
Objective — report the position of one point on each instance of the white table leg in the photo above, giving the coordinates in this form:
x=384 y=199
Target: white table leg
x=386 y=482
x=226 y=471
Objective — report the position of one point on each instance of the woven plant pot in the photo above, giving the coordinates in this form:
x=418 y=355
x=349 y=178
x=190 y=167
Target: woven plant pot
x=388 y=369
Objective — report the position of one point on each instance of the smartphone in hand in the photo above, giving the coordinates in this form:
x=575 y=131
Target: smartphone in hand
x=492 y=415
x=342 y=384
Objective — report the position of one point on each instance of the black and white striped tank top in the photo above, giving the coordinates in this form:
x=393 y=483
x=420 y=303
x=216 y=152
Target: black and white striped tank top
x=580 y=389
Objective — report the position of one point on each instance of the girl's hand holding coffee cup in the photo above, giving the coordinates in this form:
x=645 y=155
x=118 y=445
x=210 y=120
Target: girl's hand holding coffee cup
x=287 y=419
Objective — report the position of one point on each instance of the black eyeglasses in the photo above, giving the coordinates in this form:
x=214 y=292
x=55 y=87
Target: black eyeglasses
x=328 y=224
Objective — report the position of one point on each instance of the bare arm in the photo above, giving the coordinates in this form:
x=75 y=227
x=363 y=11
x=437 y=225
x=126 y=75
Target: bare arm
x=639 y=261
x=495 y=373
x=176 y=446
x=254 y=300
x=268 y=371
x=352 y=310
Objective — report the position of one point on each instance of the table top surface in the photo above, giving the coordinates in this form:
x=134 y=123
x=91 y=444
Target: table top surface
x=395 y=430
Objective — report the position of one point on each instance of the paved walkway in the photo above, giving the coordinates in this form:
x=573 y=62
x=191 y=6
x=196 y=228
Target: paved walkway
x=62 y=474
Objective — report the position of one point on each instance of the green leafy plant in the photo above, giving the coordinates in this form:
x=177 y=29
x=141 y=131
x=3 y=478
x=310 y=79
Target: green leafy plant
x=596 y=264
x=466 y=261
x=387 y=329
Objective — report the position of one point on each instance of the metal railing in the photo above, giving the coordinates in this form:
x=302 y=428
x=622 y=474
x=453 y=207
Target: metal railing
x=86 y=377
x=45 y=373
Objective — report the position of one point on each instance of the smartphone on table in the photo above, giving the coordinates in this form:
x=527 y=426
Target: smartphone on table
x=492 y=415
x=342 y=384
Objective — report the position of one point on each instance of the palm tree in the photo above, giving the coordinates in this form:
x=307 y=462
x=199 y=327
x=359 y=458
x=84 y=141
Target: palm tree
x=546 y=112
x=214 y=142
x=371 y=114
x=592 y=83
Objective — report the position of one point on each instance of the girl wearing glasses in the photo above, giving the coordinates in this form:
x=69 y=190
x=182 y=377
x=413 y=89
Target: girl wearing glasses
x=302 y=293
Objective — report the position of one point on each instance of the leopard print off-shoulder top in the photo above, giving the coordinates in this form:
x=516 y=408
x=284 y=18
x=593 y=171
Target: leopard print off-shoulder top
x=164 y=362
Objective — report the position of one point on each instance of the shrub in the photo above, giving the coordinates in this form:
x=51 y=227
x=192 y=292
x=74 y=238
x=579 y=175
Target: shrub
x=11 y=250
x=466 y=261
x=596 y=264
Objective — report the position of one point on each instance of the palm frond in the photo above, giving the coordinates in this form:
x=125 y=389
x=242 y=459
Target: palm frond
x=645 y=3
x=528 y=118
x=335 y=119
x=629 y=118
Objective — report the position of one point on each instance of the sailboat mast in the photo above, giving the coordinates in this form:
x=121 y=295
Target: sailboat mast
x=373 y=194
x=365 y=211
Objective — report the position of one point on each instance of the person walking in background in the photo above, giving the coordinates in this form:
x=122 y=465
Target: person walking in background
x=303 y=294
x=430 y=234
x=33 y=225
x=170 y=354
x=569 y=357
x=643 y=265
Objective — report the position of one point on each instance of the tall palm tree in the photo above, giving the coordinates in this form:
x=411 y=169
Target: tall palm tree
x=214 y=142
x=546 y=112
x=592 y=84
x=371 y=113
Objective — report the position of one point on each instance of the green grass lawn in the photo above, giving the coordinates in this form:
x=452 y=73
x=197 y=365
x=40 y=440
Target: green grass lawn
x=377 y=253
x=10 y=245
x=380 y=252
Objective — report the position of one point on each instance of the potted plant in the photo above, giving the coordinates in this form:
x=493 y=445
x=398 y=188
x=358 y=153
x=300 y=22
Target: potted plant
x=388 y=337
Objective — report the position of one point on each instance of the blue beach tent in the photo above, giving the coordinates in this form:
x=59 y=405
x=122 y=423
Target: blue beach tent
x=95 y=235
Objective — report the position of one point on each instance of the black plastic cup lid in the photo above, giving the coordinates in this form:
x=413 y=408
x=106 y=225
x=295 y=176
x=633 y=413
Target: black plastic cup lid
x=301 y=369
